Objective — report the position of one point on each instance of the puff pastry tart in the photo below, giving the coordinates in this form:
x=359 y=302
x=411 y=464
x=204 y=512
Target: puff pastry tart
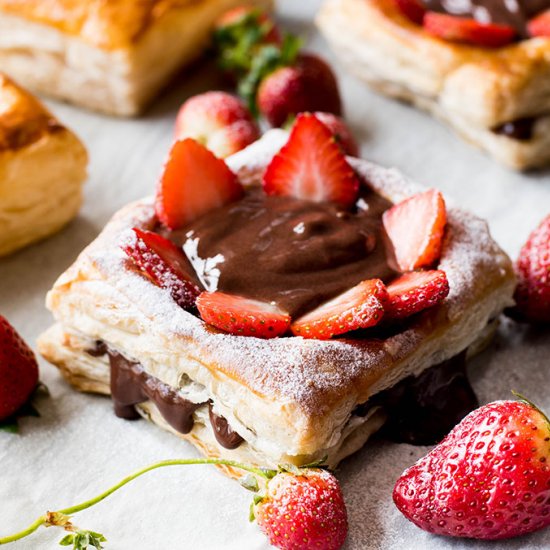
x=304 y=324
x=482 y=66
x=42 y=169
x=109 y=56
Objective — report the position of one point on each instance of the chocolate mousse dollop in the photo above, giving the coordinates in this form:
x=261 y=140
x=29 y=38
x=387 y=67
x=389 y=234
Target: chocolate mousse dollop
x=515 y=13
x=295 y=253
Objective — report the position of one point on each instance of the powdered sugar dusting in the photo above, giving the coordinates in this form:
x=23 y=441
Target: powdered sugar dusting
x=312 y=373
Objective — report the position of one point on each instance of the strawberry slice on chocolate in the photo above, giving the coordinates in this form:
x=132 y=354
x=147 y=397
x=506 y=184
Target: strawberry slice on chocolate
x=194 y=181
x=468 y=31
x=414 y=292
x=311 y=166
x=242 y=316
x=165 y=264
x=415 y=228
x=540 y=25
x=360 y=307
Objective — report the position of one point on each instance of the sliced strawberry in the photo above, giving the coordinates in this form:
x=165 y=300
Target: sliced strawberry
x=415 y=228
x=414 y=292
x=540 y=25
x=311 y=166
x=193 y=182
x=467 y=30
x=412 y=9
x=165 y=264
x=360 y=307
x=242 y=316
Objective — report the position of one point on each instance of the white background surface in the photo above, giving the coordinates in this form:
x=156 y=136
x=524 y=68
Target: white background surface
x=78 y=447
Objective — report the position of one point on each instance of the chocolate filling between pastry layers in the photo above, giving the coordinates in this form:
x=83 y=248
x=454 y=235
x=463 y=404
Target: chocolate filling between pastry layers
x=515 y=13
x=131 y=385
x=521 y=129
x=420 y=410
x=291 y=252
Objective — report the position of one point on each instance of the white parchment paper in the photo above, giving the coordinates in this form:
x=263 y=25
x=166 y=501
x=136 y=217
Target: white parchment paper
x=78 y=447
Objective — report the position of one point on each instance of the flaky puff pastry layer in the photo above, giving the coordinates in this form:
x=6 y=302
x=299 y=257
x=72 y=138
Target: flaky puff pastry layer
x=290 y=396
x=473 y=89
x=114 y=56
x=42 y=169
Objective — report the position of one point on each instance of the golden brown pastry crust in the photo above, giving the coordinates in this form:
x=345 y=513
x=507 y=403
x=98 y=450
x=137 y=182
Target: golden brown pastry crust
x=42 y=169
x=108 y=24
x=113 y=56
x=473 y=89
x=23 y=119
x=293 y=396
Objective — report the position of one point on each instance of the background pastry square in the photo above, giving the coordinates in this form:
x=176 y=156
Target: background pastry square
x=112 y=57
x=42 y=169
x=474 y=90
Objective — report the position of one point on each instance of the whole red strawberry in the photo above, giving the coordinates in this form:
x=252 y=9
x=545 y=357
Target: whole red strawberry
x=533 y=270
x=308 y=85
x=18 y=370
x=303 y=511
x=488 y=479
x=217 y=120
x=341 y=132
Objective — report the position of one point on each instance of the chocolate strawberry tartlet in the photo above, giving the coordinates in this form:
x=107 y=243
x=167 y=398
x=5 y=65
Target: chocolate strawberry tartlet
x=280 y=306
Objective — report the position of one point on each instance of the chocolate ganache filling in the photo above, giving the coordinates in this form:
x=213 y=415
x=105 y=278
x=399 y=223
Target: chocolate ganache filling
x=422 y=410
x=515 y=13
x=295 y=253
x=131 y=385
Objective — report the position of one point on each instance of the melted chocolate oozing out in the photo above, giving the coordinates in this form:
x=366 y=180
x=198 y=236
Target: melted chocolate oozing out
x=131 y=385
x=422 y=410
x=520 y=129
x=293 y=252
x=515 y=13
x=222 y=430
x=99 y=350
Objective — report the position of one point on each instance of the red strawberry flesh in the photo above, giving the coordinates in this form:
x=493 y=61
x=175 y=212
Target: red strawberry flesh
x=311 y=166
x=360 y=307
x=242 y=316
x=540 y=25
x=165 y=264
x=18 y=370
x=301 y=512
x=488 y=479
x=468 y=31
x=414 y=292
x=414 y=10
x=219 y=121
x=308 y=85
x=415 y=228
x=533 y=270
x=193 y=182
x=340 y=131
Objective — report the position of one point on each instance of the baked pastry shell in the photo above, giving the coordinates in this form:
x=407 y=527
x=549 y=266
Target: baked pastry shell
x=471 y=88
x=42 y=169
x=294 y=393
x=109 y=56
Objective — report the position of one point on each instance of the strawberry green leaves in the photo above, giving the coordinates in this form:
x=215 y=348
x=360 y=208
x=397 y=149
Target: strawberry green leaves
x=83 y=540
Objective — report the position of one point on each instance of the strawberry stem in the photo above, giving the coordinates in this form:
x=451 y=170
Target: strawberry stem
x=44 y=519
